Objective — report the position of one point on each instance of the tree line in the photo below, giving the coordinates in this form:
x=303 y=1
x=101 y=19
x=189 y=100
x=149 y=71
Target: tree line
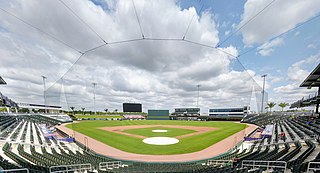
x=273 y=104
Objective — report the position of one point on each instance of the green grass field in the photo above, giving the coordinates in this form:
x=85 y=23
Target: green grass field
x=134 y=145
x=98 y=116
x=147 y=132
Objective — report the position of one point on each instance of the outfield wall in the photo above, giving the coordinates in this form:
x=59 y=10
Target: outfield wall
x=158 y=115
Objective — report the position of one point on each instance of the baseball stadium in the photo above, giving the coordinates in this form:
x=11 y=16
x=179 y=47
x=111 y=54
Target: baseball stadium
x=139 y=86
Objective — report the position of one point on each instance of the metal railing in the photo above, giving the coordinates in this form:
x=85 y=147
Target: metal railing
x=16 y=170
x=110 y=165
x=71 y=168
x=218 y=162
x=313 y=167
x=264 y=164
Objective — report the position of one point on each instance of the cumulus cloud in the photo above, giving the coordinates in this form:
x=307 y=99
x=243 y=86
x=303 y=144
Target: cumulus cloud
x=293 y=90
x=267 y=48
x=159 y=74
x=297 y=72
x=312 y=46
x=279 y=17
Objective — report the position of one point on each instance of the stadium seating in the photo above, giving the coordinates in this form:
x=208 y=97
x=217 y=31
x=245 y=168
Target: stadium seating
x=24 y=146
x=7 y=102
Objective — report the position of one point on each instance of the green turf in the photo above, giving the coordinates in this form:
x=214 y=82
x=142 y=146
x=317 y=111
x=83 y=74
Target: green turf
x=158 y=117
x=135 y=145
x=171 y=132
x=98 y=116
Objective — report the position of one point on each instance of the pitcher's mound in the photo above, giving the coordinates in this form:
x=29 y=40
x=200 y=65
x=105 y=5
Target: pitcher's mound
x=161 y=141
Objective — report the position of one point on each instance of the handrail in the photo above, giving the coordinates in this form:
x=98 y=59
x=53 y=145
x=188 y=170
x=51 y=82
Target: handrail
x=313 y=169
x=110 y=165
x=15 y=170
x=70 y=168
x=260 y=164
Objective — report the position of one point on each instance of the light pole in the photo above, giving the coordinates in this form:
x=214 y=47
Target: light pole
x=198 y=86
x=44 y=93
x=264 y=81
x=94 y=97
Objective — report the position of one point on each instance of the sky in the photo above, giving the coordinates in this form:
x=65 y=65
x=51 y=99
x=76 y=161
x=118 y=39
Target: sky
x=157 y=52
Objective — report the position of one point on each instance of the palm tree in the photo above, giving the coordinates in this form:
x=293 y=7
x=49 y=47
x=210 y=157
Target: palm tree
x=271 y=105
x=106 y=110
x=83 y=110
x=72 y=108
x=267 y=107
x=283 y=105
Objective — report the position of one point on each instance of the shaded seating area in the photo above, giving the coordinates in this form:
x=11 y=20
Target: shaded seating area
x=312 y=81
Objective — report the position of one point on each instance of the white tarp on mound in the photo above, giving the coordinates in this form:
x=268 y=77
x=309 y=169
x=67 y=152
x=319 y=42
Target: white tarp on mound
x=159 y=131
x=161 y=141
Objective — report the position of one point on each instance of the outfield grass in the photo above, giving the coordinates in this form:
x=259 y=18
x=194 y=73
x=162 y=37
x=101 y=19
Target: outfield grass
x=171 y=132
x=135 y=145
x=98 y=116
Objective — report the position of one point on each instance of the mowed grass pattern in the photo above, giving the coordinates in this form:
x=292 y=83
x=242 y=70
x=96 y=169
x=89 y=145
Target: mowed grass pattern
x=171 y=132
x=98 y=116
x=135 y=145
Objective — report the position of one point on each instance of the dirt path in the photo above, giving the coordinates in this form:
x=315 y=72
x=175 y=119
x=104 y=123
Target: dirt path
x=209 y=152
x=120 y=129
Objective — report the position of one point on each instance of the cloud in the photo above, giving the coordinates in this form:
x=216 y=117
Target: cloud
x=293 y=90
x=276 y=79
x=161 y=74
x=312 y=46
x=297 y=71
x=279 y=17
x=267 y=48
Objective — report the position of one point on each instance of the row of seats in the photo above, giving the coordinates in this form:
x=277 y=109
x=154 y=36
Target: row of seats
x=40 y=158
x=299 y=129
x=265 y=119
x=22 y=161
x=7 y=126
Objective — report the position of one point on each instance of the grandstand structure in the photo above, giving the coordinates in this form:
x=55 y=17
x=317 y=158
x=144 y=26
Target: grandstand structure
x=32 y=143
x=232 y=113
x=312 y=81
x=283 y=141
x=28 y=141
x=2 y=82
x=7 y=102
x=185 y=114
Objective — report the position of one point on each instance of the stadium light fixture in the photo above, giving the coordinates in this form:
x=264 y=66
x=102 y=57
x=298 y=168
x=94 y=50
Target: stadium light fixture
x=44 y=93
x=264 y=81
x=198 y=86
x=94 y=97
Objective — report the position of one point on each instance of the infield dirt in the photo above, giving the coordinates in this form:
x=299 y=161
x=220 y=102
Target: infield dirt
x=120 y=129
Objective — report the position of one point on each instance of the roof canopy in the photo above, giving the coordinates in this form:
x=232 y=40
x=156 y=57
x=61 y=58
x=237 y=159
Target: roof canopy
x=313 y=80
x=2 y=82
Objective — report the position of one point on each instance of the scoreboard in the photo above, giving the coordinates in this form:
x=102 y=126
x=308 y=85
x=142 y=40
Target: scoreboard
x=132 y=107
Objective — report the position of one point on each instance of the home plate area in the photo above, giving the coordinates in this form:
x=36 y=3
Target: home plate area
x=161 y=141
